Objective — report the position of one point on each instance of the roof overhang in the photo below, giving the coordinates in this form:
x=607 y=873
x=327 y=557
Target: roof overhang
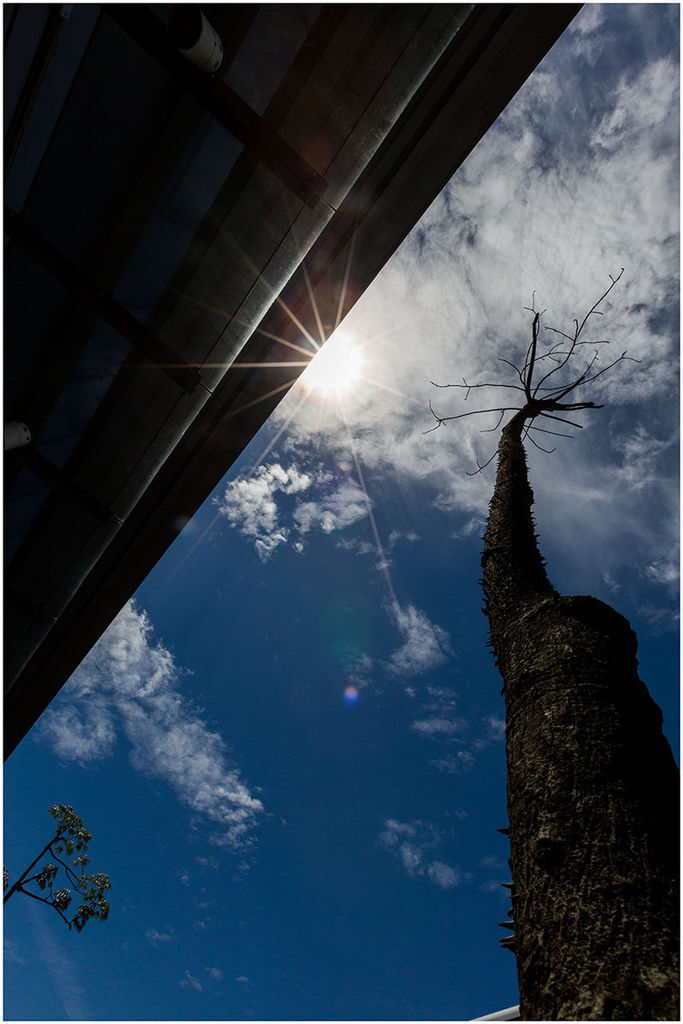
x=377 y=109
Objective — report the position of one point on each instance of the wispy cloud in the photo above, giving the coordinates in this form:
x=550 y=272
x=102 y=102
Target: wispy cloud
x=438 y=718
x=469 y=737
x=425 y=646
x=130 y=679
x=455 y=764
x=342 y=507
x=62 y=970
x=207 y=862
x=155 y=938
x=11 y=952
x=443 y=875
x=493 y=731
x=410 y=843
x=665 y=571
x=493 y=862
x=191 y=982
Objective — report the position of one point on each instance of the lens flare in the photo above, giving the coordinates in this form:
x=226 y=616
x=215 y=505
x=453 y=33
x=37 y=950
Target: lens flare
x=351 y=695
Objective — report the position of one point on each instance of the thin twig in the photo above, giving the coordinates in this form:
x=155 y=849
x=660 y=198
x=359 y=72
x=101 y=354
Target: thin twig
x=490 y=430
x=556 y=433
x=481 y=467
x=569 y=423
x=42 y=899
x=548 y=451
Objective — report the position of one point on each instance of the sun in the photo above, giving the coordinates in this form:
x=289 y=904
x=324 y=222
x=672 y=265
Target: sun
x=335 y=368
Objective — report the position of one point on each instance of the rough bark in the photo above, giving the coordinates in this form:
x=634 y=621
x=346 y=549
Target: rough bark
x=592 y=785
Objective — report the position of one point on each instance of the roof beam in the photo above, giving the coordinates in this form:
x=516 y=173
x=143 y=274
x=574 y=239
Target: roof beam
x=223 y=103
x=102 y=302
x=60 y=481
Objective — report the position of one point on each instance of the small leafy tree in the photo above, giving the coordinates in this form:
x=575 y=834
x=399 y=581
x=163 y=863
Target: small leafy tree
x=71 y=837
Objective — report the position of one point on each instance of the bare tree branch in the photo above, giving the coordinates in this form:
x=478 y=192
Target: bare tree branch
x=462 y=415
x=482 y=466
x=545 y=397
x=578 y=328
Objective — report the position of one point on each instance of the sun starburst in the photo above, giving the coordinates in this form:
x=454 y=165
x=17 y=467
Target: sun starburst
x=335 y=368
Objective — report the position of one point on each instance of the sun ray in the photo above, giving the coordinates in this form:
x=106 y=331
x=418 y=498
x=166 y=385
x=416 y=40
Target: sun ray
x=276 y=337
x=276 y=437
x=261 y=398
x=264 y=364
x=297 y=323
x=345 y=283
x=314 y=305
x=392 y=391
x=261 y=278
x=383 y=563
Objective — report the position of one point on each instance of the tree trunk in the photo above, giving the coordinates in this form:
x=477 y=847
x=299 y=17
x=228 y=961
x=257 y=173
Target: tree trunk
x=592 y=785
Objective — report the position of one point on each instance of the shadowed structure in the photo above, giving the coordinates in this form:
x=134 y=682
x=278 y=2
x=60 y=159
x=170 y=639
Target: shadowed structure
x=180 y=244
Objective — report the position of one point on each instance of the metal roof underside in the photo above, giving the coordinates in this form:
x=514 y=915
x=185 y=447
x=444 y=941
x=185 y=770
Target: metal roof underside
x=169 y=236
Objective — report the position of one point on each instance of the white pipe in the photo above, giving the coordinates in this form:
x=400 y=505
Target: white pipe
x=195 y=37
x=16 y=435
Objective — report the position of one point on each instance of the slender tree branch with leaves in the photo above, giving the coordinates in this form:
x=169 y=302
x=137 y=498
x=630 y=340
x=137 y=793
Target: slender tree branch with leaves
x=71 y=837
x=591 y=781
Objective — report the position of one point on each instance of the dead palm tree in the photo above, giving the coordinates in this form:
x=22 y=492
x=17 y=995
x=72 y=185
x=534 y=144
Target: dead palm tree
x=591 y=781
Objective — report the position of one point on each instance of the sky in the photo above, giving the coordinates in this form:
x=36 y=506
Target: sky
x=289 y=746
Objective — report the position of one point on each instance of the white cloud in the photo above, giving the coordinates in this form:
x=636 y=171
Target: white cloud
x=496 y=727
x=440 y=720
x=494 y=732
x=207 y=862
x=409 y=843
x=85 y=733
x=664 y=571
x=660 y=620
x=495 y=863
x=644 y=101
x=214 y=973
x=192 y=982
x=11 y=954
x=591 y=18
x=443 y=875
x=155 y=937
x=640 y=453
x=425 y=647
x=335 y=511
x=63 y=972
x=249 y=504
x=129 y=677
x=435 y=726
x=455 y=764
x=610 y=582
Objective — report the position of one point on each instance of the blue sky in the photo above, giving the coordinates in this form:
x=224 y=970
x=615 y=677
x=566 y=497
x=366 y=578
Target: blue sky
x=289 y=747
